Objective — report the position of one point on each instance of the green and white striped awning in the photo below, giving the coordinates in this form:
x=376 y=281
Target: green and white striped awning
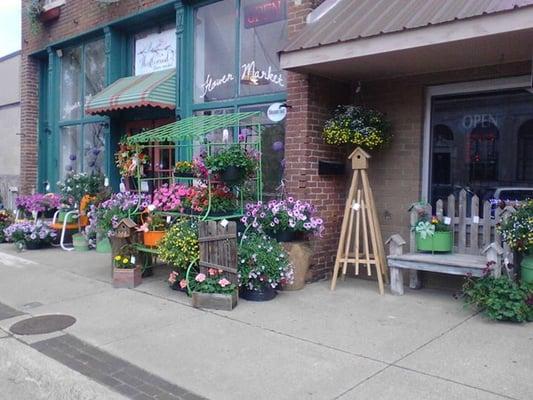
x=157 y=89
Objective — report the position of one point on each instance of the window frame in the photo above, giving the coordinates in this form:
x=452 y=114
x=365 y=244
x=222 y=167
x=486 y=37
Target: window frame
x=84 y=119
x=466 y=88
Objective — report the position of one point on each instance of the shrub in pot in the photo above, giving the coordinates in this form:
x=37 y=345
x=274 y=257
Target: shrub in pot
x=517 y=232
x=263 y=264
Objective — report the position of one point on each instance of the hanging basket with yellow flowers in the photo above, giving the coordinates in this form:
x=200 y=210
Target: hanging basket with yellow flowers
x=358 y=126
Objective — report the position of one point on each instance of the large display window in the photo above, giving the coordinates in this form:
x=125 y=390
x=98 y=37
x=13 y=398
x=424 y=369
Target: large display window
x=482 y=143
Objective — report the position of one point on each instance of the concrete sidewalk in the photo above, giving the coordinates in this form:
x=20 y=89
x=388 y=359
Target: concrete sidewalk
x=311 y=344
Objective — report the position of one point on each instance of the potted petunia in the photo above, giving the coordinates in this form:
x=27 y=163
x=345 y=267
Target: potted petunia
x=432 y=234
x=213 y=290
x=233 y=164
x=517 y=232
x=263 y=265
x=30 y=235
x=126 y=273
x=285 y=220
x=184 y=169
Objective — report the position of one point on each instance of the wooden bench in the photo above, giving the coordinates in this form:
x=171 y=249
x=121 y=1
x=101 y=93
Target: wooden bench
x=476 y=243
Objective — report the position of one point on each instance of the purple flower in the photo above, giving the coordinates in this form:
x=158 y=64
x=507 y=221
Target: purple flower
x=72 y=157
x=277 y=146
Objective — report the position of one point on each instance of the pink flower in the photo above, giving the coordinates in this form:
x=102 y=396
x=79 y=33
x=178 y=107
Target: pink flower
x=212 y=271
x=183 y=283
x=200 y=277
x=224 y=282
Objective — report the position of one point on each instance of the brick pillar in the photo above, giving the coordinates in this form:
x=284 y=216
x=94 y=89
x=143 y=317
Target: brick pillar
x=312 y=99
x=29 y=114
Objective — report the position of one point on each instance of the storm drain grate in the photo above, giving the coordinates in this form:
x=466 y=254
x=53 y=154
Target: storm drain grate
x=42 y=324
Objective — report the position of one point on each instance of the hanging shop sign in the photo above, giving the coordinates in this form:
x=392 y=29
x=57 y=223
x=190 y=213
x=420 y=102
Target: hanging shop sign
x=264 y=12
x=277 y=112
x=155 y=52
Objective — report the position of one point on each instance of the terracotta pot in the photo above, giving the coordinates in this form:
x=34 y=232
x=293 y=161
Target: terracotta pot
x=152 y=238
x=127 y=277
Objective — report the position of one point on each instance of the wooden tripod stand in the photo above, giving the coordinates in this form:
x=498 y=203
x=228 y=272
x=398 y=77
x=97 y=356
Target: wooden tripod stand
x=364 y=246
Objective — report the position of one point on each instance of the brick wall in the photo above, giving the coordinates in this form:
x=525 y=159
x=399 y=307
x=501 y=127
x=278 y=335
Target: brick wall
x=77 y=16
x=395 y=173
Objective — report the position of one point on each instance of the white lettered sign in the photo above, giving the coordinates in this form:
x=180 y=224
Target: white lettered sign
x=277 y=112
x=155 y=52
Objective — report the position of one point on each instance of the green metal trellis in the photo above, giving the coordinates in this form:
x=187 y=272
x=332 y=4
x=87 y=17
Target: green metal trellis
x=190 y=134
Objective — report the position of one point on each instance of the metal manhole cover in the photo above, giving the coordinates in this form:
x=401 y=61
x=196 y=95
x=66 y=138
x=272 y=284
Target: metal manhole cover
x=42 y=324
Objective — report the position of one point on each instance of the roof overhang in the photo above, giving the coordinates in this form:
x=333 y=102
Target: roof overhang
x=487 y=40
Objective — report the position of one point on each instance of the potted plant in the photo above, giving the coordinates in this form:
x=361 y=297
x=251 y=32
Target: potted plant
x=171 y=197
x=233 y=164
x=432 y=234
x=517 y=232
x=184 y=169
x=500 y=298
x=286 y=220
x=31 y=235
x=213 y=290
x=357 y=126
x=154 y=229
x=77 y=189
x=126 y=274
x=6 y=219
x=180 y=249
x=263 y=264
x=38 y=204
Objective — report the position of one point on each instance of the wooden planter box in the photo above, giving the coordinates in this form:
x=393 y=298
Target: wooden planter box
x=127 y=277
x=215 y=301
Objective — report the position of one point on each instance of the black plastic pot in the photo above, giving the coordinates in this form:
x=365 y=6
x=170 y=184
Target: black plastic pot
x=288 y=236
x=49 y=213
x=265 y=293
x=33 y=245
x=183 y=175
x=232 y=175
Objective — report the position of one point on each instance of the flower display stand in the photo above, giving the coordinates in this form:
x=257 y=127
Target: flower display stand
x=300 y=254
x=215 y=301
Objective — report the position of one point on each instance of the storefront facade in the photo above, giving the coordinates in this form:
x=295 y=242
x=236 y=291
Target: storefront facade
x=173 y=59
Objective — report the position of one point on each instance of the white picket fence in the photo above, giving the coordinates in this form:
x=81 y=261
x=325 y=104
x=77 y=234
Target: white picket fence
x=471 y=232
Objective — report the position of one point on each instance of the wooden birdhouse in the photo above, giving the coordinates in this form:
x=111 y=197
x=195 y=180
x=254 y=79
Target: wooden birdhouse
x=359 y=159
x=126 y=228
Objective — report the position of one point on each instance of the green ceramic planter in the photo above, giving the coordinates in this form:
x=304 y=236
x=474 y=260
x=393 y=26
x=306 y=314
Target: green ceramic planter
x=440 y=242
x=526 y=268
x=79 y=242
x=103 y=246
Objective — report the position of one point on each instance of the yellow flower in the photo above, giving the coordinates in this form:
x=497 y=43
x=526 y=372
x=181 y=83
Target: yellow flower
x=117 y=258
x=125 y=261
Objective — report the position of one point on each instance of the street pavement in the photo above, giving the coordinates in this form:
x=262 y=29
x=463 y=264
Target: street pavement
x=310 y=344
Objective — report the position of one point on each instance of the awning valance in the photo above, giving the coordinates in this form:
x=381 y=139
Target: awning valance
x=157 y=89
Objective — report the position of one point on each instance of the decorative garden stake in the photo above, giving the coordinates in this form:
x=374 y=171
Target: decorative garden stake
x=360 y=207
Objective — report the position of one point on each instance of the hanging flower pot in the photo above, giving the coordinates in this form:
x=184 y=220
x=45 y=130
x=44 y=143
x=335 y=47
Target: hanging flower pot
x=50 y=15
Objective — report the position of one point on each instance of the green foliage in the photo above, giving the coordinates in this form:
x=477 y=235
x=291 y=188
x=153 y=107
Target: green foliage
x=213 y=282
x=517 y=230
x=500 y=298
x=76 y=186
x=358 y=126
x=263 y=262
x=180 y=246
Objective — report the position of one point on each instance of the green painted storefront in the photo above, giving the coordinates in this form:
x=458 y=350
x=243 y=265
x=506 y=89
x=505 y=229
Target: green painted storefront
x=114 y=43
